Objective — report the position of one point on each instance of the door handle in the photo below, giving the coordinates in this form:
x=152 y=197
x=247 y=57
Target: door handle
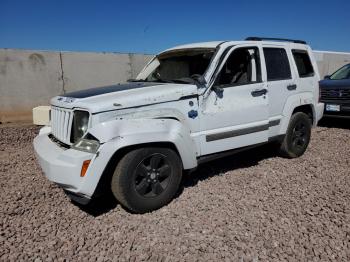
x=259 y=92
x=292 y=87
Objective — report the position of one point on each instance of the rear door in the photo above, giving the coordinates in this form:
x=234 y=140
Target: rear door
x=280 y=82
x=306 y=80
x=234 y=110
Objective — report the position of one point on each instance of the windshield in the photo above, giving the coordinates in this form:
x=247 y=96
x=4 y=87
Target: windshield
x=181 y=66
x=342 y=73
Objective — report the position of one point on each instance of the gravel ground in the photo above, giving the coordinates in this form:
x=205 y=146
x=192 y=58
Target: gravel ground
x=253 y=206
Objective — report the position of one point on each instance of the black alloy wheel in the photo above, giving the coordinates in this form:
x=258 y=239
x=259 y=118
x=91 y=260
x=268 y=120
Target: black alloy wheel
x=146 y=179
x=152 y=175
x=297 y=136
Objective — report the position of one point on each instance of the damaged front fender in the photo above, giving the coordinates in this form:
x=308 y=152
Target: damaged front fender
x=118 y=134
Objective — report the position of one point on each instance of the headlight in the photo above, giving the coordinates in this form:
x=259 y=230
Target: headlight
x=80 y=125
x=87 y=145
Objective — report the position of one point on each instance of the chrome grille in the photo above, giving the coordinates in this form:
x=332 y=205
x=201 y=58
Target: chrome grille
x=61 y=124
x=335 y=94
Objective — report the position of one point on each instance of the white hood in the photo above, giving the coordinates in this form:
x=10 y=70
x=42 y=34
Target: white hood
x=121 y=96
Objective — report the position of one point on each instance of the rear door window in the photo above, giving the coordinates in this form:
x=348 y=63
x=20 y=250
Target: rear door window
x=277 y=64
x=303 y=63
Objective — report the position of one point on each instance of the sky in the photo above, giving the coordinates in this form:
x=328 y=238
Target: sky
x=152 y=26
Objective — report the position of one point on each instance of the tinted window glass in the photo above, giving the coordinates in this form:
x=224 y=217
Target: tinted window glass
x=277 y=64
x=303 y=62
x=241 y=67
x=179 y=65
x=342 y=73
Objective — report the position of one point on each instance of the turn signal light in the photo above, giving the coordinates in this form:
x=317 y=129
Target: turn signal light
x=84 y=167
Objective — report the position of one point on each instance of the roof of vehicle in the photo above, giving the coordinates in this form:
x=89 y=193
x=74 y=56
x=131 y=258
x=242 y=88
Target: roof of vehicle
x=214 y=44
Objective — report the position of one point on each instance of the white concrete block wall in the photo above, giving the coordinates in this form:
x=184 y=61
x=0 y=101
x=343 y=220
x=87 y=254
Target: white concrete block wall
x=29 y=78
x=329 y=62
x=94 y=69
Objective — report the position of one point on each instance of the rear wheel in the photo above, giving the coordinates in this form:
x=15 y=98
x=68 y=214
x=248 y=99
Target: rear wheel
x=297 y=137
x=146 y=179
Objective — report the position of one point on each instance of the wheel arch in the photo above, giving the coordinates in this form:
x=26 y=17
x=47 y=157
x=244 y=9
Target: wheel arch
x=119 y=137
x=302 y=102
x=307 y=109
x=106 y=177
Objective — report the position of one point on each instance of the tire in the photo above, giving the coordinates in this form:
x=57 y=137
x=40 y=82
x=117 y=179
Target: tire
x=146 y=179
x=297 y=137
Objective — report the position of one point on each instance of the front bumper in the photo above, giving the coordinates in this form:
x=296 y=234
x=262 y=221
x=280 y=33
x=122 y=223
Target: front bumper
x=344 y=108
x=319 y=111
x=63 y=166
x=81 y=199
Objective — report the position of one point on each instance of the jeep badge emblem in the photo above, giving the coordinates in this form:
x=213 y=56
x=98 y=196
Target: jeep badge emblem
x=66 y=99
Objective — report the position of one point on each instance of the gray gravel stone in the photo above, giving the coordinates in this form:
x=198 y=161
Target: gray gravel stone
x=253 y=206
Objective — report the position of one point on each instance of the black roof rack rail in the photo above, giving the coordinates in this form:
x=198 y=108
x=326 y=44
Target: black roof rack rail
x=255 y=38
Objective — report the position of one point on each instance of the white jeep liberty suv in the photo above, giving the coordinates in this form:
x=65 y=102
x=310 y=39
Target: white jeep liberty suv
x=190 y=104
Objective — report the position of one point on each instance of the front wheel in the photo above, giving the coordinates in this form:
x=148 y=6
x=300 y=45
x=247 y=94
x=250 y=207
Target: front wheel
x=297 y=137
x=146 y=179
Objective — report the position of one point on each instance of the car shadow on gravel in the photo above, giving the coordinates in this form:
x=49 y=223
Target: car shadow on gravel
x=249 y=158
x=99 y=206
x=342 y=123
x=220 y=166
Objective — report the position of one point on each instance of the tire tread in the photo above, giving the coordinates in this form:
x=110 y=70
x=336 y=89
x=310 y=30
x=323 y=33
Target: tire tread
x=285 y=150
x=120 y=180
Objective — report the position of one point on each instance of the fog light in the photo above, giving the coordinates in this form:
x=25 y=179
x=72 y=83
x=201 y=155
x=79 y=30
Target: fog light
x=84 y=167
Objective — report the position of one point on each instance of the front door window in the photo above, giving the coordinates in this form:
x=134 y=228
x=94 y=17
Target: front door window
x=242 y=67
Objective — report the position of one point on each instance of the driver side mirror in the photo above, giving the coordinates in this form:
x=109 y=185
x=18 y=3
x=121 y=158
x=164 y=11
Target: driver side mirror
x=219 y=91
x=199 y=79
x=327 y=77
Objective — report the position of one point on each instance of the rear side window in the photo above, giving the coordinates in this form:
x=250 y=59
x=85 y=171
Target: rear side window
x=303 y=62
x=277 y=64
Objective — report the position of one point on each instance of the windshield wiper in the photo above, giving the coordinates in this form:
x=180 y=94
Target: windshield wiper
x=135 y=80
x=156 y=80
x=183 y=81
x=162 y=80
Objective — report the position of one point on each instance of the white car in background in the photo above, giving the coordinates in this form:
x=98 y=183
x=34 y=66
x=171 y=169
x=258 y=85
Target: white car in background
x=190 y=104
